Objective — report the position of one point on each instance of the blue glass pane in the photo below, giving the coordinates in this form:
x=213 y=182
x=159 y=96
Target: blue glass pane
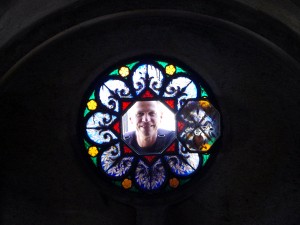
x=158 y=175
x=113 y=164
x=142 y=175
x=139 y=77
x=96 y=127
x=156 y=78
x=99 y=120
x=185 y=164
x=110 y=91
x=109 y=157
x=178 y=167
x=182 y=88
x=210 y=127
x=121 y=168
x=101 y=136
x=150 y=178
x=192 y=159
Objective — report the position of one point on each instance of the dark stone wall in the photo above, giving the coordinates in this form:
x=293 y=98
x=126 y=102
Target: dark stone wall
x=47 y=65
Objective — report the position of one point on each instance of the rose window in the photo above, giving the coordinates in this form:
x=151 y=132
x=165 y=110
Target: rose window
x=149 y=126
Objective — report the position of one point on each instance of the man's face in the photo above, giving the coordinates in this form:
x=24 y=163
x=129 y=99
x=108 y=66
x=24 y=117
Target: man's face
x=146 y=118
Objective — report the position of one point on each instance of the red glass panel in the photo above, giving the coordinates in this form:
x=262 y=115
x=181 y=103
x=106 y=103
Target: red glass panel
x=125 y=105
x=171 y=148
x=171 y=103
x=150 y=158
x=117 y=127
x=180 y=126
x=147 y=94
x=127 y=150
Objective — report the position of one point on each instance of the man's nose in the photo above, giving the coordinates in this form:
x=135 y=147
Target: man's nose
x=146 y=117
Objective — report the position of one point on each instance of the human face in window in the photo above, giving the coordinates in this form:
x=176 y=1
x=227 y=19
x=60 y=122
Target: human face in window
x=146 y=118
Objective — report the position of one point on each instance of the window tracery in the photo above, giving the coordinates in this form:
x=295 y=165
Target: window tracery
x=106 y=113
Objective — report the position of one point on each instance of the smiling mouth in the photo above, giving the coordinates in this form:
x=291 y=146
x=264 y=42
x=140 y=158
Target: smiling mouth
x=146 y=126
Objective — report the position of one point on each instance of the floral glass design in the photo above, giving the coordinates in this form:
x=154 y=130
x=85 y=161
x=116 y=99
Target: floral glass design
x=197 y=126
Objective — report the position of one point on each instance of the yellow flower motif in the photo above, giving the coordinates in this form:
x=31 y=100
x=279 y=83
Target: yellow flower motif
x=92 y=105
x=124 y=71
x=204 y=104
x=93 y=151
x=127 y=183
x=174 y=182
x=205 y=147
x=170 y=69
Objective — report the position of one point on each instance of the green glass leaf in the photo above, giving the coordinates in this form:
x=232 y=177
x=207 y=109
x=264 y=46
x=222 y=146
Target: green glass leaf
x=118 y=183
x=180 y=70
x=86 y=144
x=205 y=158
x=203 y=93
x=94 y=159
x=86 y=111
x=92 y=96
x=211 y=142
x=132 y=65
x=183 y=181
x=114 y=73
x=168 y=188
x=134 y=189
x=163 y=64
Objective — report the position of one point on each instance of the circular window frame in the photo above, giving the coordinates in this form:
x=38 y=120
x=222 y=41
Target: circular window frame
x=148 y=59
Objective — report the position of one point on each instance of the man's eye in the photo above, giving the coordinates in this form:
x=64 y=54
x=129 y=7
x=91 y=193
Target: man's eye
x=152 y=113
x=139 y=114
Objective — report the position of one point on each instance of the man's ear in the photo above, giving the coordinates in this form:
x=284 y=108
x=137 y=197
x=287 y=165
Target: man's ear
x=160 y=116
x=130 y=119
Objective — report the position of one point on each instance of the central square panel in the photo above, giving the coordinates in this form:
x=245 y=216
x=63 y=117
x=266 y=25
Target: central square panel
x=148 y=127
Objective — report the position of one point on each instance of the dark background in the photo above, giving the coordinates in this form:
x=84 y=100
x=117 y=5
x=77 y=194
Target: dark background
x=248 y=52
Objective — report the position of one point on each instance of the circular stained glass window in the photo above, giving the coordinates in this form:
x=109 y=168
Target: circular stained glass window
x=149 y=126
